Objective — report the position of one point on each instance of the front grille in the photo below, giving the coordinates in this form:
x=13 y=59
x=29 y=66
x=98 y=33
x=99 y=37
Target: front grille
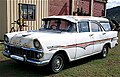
x=20 y=52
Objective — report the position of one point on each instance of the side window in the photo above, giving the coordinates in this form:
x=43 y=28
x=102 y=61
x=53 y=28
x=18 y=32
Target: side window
x=106 y=26
x=83 y=26
x=95 y=27
x=72 y=28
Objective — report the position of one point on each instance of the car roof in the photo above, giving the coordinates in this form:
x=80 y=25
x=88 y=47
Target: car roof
x=76 y=19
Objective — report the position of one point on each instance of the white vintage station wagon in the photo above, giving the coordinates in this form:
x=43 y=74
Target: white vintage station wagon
x=61 y=39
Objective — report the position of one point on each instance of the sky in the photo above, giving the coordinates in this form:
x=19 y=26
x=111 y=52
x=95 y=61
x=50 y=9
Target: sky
x=113 y=3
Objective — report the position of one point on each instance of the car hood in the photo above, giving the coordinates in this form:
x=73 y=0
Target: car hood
x=25 y=39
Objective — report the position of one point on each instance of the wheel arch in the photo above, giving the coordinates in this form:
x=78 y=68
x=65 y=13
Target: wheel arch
x=64 y=53
x=108 y=44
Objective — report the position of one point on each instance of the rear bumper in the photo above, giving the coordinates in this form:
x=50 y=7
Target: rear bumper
x=24 y=59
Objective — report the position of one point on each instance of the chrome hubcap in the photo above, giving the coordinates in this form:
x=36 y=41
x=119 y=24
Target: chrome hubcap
x=104 y=52
x=57 y=64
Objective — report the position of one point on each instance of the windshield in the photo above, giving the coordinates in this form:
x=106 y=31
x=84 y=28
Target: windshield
x=59 y=25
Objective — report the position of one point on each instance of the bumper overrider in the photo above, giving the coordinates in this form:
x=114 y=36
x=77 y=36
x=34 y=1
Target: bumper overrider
x=28 y=55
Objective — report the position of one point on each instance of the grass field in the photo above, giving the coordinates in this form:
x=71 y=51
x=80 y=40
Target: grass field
x=88 y=67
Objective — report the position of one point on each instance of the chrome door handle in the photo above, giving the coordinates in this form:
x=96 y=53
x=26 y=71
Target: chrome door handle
x=91 y=35
x=103 y=33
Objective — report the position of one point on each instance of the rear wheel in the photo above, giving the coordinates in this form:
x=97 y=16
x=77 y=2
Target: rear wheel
x=57 y=63
x=104 y=52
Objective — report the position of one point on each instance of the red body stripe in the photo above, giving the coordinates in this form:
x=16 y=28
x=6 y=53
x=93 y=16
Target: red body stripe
x=84 y=45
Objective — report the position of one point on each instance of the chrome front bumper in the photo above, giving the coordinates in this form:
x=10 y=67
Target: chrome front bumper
x=24 y=59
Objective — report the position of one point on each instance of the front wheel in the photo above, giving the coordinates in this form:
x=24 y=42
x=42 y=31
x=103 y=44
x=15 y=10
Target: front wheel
x=57 y=63
x=104 y=52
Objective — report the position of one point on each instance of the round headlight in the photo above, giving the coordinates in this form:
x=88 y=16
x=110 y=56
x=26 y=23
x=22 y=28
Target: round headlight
x=6 y=39
x=37 y=44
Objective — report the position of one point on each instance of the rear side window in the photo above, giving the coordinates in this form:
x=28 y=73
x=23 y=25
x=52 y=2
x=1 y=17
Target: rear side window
x=106 y=26
x=95 y=27
x=83 y=26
